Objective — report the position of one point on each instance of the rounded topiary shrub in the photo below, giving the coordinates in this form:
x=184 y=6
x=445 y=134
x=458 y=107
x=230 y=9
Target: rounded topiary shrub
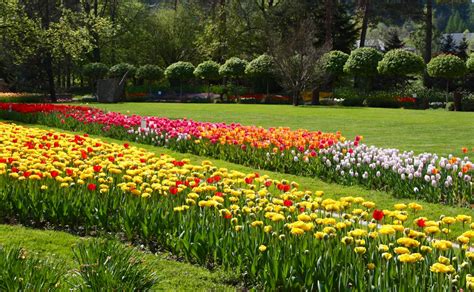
x=233 y=68
x=363 y=62
x=470 y=63
x=260 y=67
x=334 y=61
x=149 y=72
x=95 y=71
x=400 y=63
x=207 y=70
x=446 y=66
x=180 y=71
x=119 y=70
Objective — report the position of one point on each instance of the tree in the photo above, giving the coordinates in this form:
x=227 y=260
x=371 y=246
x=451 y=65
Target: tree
x=180 y=71
x=448 y=67
x=363 y=62
x=399 y=64
x=94 y=72
x=462 y=49
x=122 y=70
x=393 y=41
x=261 y=67
x=447 y=44
x=149 y=73
x=209 y=71
x=233 y=69
x=295 y=57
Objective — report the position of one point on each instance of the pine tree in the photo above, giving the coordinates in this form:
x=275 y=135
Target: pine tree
x=393 y=41
x=447 y=44
x=462 y=48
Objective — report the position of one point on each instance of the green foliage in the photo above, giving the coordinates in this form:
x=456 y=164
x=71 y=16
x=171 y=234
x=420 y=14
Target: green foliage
x=470 y=63
x=363 y=62
x=95 y=71
x=180 y=71
x=207 y=70
x=119 y=70
x=446 y=66
x=260 y=67
x=233 y=68
x=334 y=62
x=108 y=265
x=149 y=72
x=399 y=62
x=21 y=271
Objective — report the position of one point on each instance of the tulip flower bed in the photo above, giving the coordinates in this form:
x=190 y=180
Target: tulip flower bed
x=271 y=232
x=446 y=180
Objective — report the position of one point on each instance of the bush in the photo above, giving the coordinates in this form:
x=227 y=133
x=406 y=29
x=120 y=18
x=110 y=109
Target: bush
x=363 y=62
x=207 y=70
x=119 y=70
x=260 y=67
x=349 y=96
x=180 y=71
x=35 y=274
x=149 y=73
x=400 y=63
x=470 y=63
x=95 y=71
x=108 y=265
x=446 y=66
x=233 y=68
x=383 y=99
x=334 y=62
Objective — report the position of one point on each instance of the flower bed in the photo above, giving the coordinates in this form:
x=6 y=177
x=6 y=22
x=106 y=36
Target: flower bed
x=310 y=153
x=272 y=232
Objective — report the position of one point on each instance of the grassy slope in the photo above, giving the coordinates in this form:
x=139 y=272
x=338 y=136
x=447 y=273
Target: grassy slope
x=172 y=275
x=382 y=199
x=421 y=131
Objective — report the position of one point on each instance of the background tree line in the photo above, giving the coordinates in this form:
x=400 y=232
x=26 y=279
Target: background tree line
x=46 y=43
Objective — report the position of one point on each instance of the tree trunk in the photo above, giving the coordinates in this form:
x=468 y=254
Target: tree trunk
x=48 y=65
x=296 y=98
x=315 y=97
x=329 y=22
x=365 y=22
x=428 y=39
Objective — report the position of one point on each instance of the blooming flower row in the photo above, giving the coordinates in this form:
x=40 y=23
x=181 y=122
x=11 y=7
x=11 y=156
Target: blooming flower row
x=279 y=235
x=446 y=180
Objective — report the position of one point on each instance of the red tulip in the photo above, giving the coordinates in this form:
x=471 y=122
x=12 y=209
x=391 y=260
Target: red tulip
x=54 y=173
x=91 y=187
x=421 y=223
x=378 y=215
x=288 y=203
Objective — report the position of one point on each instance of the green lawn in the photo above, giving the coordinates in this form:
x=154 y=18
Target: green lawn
x=172 y=275
x=421 y=131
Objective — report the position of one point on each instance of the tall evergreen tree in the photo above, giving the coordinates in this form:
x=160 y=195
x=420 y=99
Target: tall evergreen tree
x=393 y=41
x=462 y=49
x=447 y=44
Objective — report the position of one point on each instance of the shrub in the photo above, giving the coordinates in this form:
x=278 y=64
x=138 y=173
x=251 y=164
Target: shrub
x=470 y=63
x=108 y=265
x=35 y=274
x=384 y=99
x=149 y=73
x=334 y=62
x=207 y=70
x=95 y=71
x=180 y=71
x=119 y=70
x=233 y=68
x=349 y=96
x=400 y=63
x=260 y=67
x=446 y=66
x=363 y=62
